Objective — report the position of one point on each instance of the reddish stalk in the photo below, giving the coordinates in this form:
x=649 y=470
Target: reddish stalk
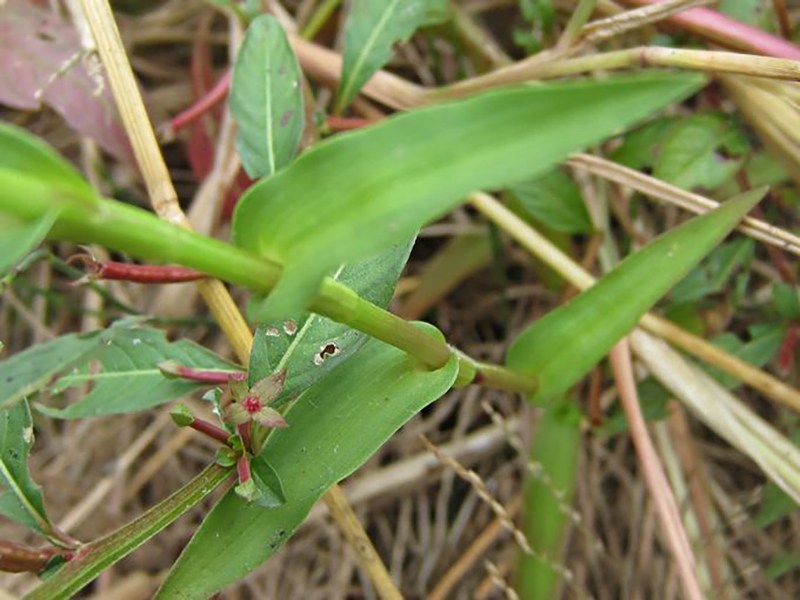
x=16 y=558
x=723 y=30
x=244 y=433
x=119 y=271
x=210 y=430
x=214 y=96
x=171 y=368
x=787 y=349
x=779 y=6
x=243 y=468
x=335 y=123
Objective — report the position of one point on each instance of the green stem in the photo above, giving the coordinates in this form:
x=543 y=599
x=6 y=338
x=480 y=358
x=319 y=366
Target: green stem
x=93 y=558
x=580 y=16
x=319 y=18
x=125 y=228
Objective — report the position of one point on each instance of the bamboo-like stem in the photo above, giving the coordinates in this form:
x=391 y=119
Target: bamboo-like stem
x=728 y=32
x=165 y=202
x=154 y=170
x=534 y=68
x=614 y=25
x=539 y=246
x=696 y=203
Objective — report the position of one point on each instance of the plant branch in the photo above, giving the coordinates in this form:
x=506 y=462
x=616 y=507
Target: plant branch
x=93 y=558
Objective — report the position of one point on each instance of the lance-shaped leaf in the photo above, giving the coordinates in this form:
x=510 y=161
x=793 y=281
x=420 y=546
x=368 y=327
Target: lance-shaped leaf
x=361 y=192
x=548 y=496
x=128 y=379
x=370 y=32
x=310 y=345
x=31 y=370
x=266 y=98
x=20 y=497
x=20 y=151
x=333 y=429
x=17 y=239
x=566 y=343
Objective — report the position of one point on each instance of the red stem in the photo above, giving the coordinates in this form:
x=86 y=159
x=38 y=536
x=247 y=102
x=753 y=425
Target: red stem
x=210 y=430
x=214 y=96
x=173 y=369
x=243 y=468
x=244 y=432
x=787 y=349
x=346 y=123
x=16 y=558
x=717 y=27
x=119 y=271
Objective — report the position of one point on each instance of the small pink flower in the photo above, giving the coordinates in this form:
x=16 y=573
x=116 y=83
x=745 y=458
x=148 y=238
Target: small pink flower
x=250 y=404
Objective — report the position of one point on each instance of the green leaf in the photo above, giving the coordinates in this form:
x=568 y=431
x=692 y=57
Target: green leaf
x=555 y=200
x=763 y=345
x=695 y=154
x=371 y=29
x=785 y=300
x=333 y=429
x=23 y=152
x=548 y=499
x=375 y=187
x=641 y=147
x=310 y=345
x=268 y=482
x=20 y=499
x=715 y=272
x=129 y=379
x=31 y=370
x=566 y=343
x=17 y=239
x=266 y=98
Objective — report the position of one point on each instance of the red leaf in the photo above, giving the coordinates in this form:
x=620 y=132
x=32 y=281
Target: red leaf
x=41 y=62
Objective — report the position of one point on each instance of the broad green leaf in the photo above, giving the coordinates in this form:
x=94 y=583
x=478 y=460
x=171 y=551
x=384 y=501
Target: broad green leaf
x=310 y=345
x=641 y=147
x=714 y=273
x=695 y=153
x=785 y=300
x=765 y=340
x=20 y=498
x=266 y=98
x=358 y=193
x=333 y=429
x=17 y=239
x=128 y=379
x=566 y=343
x=371 y=29
x=555 y=200
x=548 y=499
x=24 y=152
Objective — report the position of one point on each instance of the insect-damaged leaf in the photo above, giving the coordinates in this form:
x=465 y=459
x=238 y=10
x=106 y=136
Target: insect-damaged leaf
x=310 y=345
x=567 y=342
x=333 y=429
x=20 y=497
x=266 y=98
x=128 y=379
x=370 y=32
x=361 y=192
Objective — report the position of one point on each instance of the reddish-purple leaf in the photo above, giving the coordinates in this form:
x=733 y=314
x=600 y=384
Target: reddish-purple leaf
x=41 y=63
